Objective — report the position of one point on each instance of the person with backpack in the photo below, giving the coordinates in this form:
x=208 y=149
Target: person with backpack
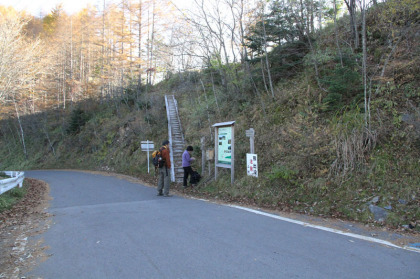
x=164 y=170
x=186 y=164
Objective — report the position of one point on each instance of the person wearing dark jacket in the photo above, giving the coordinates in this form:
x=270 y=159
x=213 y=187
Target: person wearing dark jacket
x=186 y=164
x=164 y=172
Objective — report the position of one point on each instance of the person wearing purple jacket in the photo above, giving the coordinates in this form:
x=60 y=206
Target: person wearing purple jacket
x=186 y=164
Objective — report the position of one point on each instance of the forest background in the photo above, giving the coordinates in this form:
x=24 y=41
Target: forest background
x=330 y=87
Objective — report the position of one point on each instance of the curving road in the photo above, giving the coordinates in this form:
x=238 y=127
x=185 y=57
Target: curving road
x=106 y=227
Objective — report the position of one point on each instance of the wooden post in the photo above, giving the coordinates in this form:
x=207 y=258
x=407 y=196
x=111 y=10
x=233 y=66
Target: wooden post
x=203 y=156
x=251 y=133
x=232 y=170
x=216 y=151
x=148 y=164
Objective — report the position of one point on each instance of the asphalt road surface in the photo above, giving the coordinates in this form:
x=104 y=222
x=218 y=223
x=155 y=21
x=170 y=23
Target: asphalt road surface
x=107 y=227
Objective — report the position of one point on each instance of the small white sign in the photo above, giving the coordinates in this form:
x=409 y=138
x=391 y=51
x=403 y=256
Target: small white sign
x=252 y=164
x=250 y=133
x=147 y=145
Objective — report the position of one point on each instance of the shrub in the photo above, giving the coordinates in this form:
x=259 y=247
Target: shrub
x=343 y=86
x=282 y=172
x=77 y=120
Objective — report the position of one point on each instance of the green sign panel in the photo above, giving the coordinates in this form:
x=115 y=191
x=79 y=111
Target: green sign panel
x=225 y=145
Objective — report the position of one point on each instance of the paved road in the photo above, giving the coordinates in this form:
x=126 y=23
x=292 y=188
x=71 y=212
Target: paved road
x=106 y=227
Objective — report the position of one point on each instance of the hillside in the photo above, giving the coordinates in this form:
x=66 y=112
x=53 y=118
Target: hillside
x=327 y=145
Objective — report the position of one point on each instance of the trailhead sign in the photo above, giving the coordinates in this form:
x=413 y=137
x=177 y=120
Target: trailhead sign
x=252 y=164
x=225 y=145
x=147 y=146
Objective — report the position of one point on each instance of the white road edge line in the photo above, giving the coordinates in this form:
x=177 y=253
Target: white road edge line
x=357 y=236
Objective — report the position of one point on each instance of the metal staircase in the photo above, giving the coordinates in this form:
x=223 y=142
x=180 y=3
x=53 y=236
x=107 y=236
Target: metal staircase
x=176 y=139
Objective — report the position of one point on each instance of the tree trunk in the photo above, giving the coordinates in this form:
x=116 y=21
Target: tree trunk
x=22 y=135
x=266 y=56
x=308 y=37
x=336 y=33
x=263 y=76
x=364 y=68
x=207 y=104
x=214 y=92
x=351 y=6
x=140 y=48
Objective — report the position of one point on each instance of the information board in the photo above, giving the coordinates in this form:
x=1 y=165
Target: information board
x=225 y=145
x=224 y=148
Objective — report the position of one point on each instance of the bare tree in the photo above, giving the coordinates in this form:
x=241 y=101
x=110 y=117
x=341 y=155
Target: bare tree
x=364 y=68
x=336 y=33
x=352 y=8
x=17 y=67
x=265 y=50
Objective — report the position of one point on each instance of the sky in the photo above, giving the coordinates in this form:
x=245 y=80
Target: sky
x=43 y=7
x=38 y=7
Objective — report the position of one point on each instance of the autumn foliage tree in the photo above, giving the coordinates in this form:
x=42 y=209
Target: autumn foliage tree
x=18 y=66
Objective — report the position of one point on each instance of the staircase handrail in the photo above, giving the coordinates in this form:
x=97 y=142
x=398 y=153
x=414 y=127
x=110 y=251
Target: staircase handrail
x=170 y=139
x=179 y=120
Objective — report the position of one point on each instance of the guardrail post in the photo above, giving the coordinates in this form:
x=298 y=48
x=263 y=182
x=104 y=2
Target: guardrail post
x=16 y=179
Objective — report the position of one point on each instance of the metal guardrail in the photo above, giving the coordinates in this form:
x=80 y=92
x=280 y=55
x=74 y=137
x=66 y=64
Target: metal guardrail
x=16 y=179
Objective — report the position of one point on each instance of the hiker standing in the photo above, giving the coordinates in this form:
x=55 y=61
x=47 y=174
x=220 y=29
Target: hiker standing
x=164 y=171
x=186 y=164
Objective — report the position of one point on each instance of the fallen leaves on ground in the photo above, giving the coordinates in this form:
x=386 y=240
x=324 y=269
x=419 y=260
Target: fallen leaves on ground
x=25 y=219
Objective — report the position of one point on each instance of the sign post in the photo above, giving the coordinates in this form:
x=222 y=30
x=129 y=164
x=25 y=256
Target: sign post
x=147 y=146
x=224 y=147
x=209 y=157
x=251 y=134
x=251 y=158
x=203 y=159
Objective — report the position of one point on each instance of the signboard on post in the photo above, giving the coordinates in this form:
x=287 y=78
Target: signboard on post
x=224 y=136
x=251 y=134
x=252 y=164
x=210 y=155
x=147 y=146
x=224 y=147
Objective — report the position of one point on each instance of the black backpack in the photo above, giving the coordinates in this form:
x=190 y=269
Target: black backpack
x=195 y=177
x=158 y=160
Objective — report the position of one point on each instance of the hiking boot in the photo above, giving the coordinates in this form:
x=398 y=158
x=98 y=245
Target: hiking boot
x=167 y=196
x=159 y=193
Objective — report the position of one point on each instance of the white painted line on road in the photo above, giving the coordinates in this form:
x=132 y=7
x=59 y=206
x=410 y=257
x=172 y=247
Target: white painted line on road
x=357 y=236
